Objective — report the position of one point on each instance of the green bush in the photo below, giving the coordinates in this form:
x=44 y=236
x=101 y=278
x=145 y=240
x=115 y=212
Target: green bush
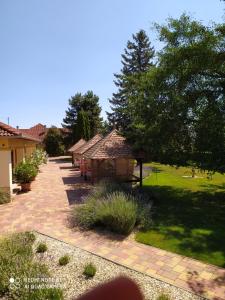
x=25 y=172
x=89 y=270
x=38 y=158
x=163 y=297
x=4 y=197
x=112 y=207
x=41 y=248
x=86 y=215
x=64 y=260
x=16 y=260
x=118 y=212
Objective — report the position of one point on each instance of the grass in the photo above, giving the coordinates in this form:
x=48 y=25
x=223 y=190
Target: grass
x=188 y=213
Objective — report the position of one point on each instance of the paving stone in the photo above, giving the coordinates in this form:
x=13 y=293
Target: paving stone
x=47 y=207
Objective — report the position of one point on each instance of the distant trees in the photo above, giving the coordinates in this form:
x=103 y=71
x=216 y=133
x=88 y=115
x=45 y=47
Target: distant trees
x=53 y=142
x=82 y=117
x=176 y=108
x=137 y=59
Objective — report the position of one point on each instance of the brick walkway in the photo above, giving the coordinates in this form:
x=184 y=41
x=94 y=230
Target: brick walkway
x=46 y=209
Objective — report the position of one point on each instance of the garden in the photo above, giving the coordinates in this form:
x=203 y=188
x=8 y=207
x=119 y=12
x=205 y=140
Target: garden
x=34 y=266
x=173 y=211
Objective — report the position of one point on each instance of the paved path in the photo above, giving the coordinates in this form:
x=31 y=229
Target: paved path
x=46 y=209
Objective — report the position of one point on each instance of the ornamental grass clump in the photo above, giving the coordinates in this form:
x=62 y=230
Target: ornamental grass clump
x=89 y=270
x=64 y=260
x=118 y=212
x=16 y=264
x=41 y=248
x=112 y=207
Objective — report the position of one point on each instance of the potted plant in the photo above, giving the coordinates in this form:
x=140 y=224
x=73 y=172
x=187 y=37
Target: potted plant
x=25 y=172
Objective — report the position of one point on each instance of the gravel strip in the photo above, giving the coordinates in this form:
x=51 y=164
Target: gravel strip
x=75 y=283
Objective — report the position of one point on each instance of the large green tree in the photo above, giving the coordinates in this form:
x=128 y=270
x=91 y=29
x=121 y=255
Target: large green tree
x=137 y=59
x=89 y=104
x=83 y=126
x=53 y=142
x=179 y=111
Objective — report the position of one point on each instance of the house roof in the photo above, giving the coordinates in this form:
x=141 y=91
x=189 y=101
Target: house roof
x=80 y=143
x=37 y=131
x=112 y=146
x=8 y=131
x=88 y=144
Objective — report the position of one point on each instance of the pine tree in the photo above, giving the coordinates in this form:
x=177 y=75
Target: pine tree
x=83 y=125
x=136 y=60
x=89 y=103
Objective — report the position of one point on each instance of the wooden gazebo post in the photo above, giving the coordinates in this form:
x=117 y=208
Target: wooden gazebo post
x=141 y=156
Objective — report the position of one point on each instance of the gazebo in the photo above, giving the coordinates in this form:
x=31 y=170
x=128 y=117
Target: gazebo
x=78 y=152
x=72 y=150
x=110 y=157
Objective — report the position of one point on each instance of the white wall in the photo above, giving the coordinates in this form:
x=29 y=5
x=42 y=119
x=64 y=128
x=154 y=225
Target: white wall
x=5 y=170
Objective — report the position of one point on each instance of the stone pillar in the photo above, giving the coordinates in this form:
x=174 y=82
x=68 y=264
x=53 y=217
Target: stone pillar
x=6 y=171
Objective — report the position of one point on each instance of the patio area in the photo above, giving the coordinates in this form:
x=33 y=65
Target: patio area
x=47 y=207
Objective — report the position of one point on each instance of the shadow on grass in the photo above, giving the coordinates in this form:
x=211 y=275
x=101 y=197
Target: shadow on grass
x=195 y=221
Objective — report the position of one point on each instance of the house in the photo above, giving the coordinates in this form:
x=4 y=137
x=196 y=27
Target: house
x=78 y=153
x=15 y=145
x=72 y=150
x=110 y=157
x=39 y=131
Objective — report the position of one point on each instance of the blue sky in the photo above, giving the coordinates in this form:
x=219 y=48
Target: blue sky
x=51 y=49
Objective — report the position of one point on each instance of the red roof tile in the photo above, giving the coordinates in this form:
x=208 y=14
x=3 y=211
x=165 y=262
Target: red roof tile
x=37 y=131
x=112 y=146
x=80 y=143
x=88 y=144
x=6 y=130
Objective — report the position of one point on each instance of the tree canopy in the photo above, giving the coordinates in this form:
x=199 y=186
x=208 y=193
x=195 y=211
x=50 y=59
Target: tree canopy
x=53 y=142
x=137 y=58
x=82 y=117
x=177 y=114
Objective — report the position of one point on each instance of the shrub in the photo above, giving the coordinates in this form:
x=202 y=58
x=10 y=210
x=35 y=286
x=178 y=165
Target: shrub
x=38 y=158
x=85 y=215
x=25 y=172
x=114 y=208
x=41 y=248
x=118 y=212
x=16 y=260
x=163 y=297
x=64 y=260
x=4 y=197
x=89 y=270
x=30 y=236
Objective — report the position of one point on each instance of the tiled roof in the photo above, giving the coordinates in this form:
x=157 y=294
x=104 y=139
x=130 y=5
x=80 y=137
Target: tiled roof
x=37 y=131
x=112 y=146
x=80 y=143
x=88 y=144
x=7 y=131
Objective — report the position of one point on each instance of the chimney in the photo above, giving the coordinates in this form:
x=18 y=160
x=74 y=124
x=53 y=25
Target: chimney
x=17 y=127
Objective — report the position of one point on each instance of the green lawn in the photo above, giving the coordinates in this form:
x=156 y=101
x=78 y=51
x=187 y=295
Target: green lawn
x=188 y=213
